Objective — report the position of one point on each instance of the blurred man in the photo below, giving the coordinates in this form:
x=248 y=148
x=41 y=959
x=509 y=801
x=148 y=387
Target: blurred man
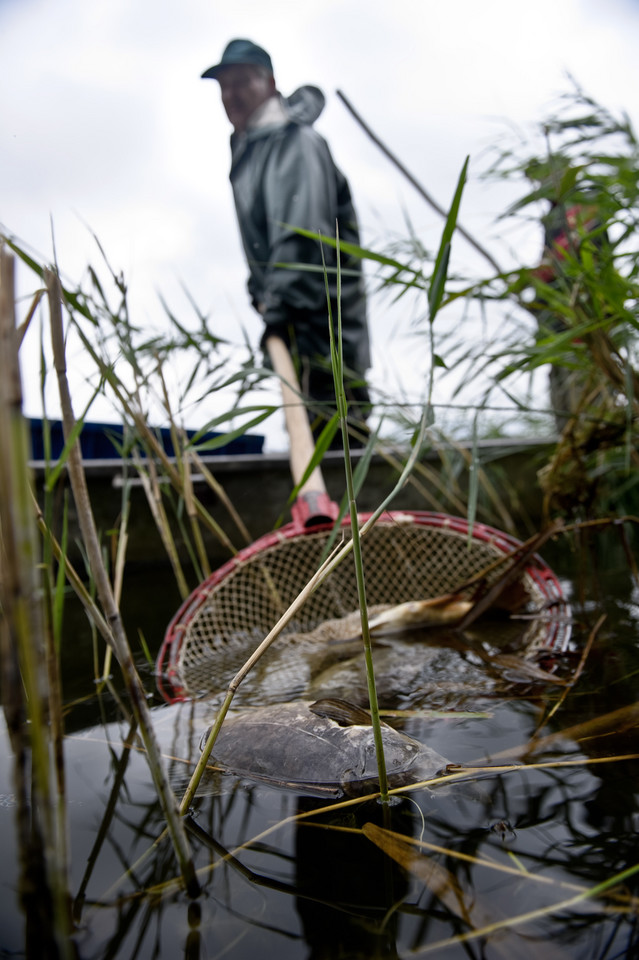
x=283 y=177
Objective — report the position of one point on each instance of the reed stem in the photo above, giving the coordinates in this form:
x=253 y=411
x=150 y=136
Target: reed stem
x=337 y=362
x=118 y=641
x=27 y=692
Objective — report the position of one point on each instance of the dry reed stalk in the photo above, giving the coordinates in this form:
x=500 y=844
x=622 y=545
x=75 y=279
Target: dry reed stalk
x=183 y=457
x=191 y=512
x=172 y=472
x=72 y=576
x=517 y=561
x=131 y=409
x=27 y=676
x=118 y=574
x=416 y=184
x=119 y=639
x=21 y=331
x=147 y=473
x=447 y=487
x=221 y=493
x=156 y=448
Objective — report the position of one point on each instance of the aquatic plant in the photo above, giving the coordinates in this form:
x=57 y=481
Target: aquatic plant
x=580 y=319
x=584 y=297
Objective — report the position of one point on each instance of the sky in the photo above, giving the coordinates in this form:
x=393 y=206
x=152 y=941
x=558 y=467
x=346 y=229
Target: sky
x=106 y=128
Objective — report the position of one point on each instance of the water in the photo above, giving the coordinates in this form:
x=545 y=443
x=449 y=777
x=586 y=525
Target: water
x=280 y=879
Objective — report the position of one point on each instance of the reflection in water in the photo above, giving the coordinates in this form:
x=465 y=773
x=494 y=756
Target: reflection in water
x=366 y=887
x=344 y=890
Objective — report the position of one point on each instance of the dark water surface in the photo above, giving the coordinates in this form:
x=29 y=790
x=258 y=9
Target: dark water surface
x=282 y=880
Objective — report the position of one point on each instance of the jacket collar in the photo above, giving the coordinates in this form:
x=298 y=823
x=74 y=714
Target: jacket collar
x=269 y=116
x=303 y=107
x=271 y=113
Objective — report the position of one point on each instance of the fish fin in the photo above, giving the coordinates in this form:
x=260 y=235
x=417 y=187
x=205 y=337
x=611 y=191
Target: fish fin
x=443 y=600
x=341 y=711
x=334 y=641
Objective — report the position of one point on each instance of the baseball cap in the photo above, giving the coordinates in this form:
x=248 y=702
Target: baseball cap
x=240 y=52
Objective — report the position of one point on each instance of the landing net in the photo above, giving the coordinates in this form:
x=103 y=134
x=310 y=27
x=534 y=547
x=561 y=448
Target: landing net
x=407 y=556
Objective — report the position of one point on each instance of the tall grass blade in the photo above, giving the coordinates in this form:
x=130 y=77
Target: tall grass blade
x=337 y=363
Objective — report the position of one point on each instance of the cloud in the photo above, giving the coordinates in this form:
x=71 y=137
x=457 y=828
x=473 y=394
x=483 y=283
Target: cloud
x=107 y=126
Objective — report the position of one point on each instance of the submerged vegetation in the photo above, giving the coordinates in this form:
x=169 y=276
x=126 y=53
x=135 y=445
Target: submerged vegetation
x=581 y=320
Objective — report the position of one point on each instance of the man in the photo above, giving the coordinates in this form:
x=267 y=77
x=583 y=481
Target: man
x=283 y=177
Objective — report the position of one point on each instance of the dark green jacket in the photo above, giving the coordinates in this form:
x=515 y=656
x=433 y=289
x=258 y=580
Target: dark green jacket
x=283 y=176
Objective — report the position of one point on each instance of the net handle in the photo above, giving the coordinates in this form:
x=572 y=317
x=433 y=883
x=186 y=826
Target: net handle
x=313 y=504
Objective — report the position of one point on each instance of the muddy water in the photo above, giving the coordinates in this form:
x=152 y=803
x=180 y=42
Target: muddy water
x=281 y=879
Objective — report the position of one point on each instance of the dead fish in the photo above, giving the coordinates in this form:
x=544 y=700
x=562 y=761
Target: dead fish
x=439 y=611
x=322 y=748
x=446 y=610
x=408 y=674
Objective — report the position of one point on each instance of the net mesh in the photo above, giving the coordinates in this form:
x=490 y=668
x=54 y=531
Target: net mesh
x=403 y=561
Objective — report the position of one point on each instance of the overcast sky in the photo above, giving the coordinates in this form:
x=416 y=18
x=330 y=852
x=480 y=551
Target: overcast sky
x=106 y=126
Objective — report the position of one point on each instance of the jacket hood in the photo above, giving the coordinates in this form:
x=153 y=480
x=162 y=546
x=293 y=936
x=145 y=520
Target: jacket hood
x=305 y=105
x=302 y=108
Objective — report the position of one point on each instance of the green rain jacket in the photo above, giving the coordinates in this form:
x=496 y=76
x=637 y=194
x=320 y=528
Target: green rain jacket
x=283 y=176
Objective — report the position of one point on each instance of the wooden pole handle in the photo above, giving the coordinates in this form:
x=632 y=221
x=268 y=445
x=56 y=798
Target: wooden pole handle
x=313 y=503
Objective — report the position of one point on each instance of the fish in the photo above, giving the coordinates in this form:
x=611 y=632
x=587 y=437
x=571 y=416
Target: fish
x=321 y=748
x=436 y=612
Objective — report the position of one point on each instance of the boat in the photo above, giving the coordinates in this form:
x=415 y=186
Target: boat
x=104 y=441
x=258 y=485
